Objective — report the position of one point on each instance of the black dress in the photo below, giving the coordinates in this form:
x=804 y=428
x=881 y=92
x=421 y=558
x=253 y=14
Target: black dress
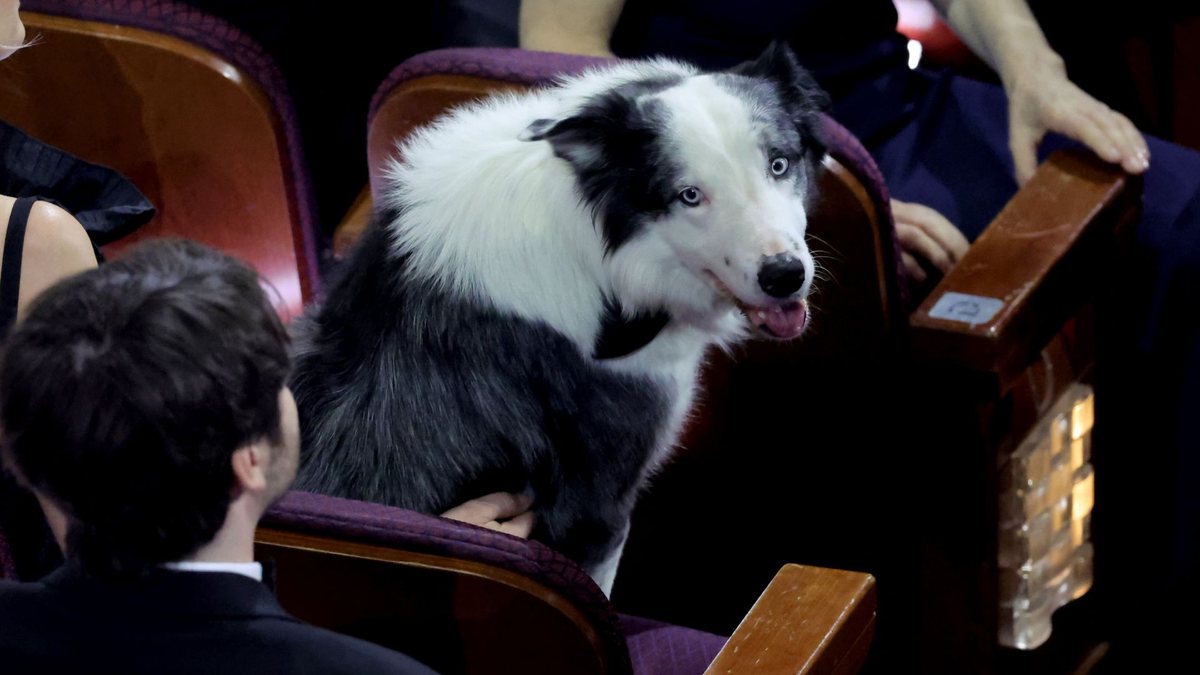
x=109 y=207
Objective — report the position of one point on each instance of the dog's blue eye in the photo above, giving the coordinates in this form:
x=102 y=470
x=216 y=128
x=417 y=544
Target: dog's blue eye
x=691 y=196
x=779 y=166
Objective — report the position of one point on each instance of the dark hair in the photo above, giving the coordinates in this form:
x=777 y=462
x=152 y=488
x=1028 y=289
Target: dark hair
x=125 y=392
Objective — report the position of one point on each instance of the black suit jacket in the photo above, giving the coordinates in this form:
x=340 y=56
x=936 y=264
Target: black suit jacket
x=171 y=622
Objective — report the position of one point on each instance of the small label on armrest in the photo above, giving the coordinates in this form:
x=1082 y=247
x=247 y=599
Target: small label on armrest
x=963 y=308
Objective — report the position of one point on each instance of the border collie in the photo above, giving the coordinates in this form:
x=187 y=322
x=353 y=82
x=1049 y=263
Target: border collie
x=531 y=307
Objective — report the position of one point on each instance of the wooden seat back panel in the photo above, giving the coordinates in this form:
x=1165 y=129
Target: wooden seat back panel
x=191 y=131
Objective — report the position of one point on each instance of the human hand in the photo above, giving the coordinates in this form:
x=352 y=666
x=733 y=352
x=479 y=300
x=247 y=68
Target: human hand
x=925 y=233
x=1042 y=99
x=501 y=511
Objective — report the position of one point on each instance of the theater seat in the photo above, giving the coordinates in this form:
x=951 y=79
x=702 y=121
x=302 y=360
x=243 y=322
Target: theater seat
x=188 y=108
x=908 y=434
x=465 y=599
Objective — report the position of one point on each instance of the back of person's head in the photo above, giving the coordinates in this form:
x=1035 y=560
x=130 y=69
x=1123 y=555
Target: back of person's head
x=126 y=391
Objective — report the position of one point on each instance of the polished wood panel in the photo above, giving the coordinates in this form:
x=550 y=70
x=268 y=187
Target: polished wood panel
x=353 y=223
x=196 y=135
x=415 y=103
x=457 y=615
x=809 y=621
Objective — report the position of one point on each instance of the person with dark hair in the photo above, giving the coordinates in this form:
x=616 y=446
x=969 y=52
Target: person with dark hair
x=144 y=405
x=55 y=209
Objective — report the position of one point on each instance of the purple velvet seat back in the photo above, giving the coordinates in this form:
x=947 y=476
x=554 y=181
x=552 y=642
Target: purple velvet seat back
x=368 y=523
x=503 y=64
x=191 y=25
x=519 y=66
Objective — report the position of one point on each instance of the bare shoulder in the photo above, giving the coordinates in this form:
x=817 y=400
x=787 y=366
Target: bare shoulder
x=56 y=247
x=54 y=230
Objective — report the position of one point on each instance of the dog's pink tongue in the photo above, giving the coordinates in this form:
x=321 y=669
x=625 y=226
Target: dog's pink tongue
x=786 y=321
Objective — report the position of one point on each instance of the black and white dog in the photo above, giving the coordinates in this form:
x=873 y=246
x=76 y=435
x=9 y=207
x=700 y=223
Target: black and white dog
x=532 y=308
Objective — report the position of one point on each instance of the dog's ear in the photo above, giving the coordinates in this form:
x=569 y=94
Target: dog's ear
x=798 y=91
x=577 y=139
x=540 y=129
x=778 y=64
x=592 y=120
x=591 y=136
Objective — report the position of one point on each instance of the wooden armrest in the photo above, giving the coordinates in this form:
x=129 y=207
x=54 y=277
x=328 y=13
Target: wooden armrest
x=1033 y=268
x=809 y=621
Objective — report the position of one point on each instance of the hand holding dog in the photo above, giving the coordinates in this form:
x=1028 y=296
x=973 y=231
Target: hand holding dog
x=501 y=511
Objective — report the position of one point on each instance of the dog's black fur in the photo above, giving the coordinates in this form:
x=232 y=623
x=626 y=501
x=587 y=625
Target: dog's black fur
x=412 y=398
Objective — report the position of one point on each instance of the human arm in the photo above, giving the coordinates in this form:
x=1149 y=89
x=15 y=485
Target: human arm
x=1041 y=98
x=570 y=26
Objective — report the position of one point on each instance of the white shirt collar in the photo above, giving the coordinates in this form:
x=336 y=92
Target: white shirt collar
x=250 y=569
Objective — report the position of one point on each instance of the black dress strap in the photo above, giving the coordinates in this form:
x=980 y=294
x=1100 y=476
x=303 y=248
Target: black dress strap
x=26 y=545
x=10 y=266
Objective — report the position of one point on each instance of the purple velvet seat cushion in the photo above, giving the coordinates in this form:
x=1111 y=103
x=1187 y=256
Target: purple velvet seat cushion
x=532 y=68
x=661 y=648
x=369 y=523
x=192 y=25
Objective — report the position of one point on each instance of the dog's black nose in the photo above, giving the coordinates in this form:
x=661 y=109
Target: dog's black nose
x=781 y=275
